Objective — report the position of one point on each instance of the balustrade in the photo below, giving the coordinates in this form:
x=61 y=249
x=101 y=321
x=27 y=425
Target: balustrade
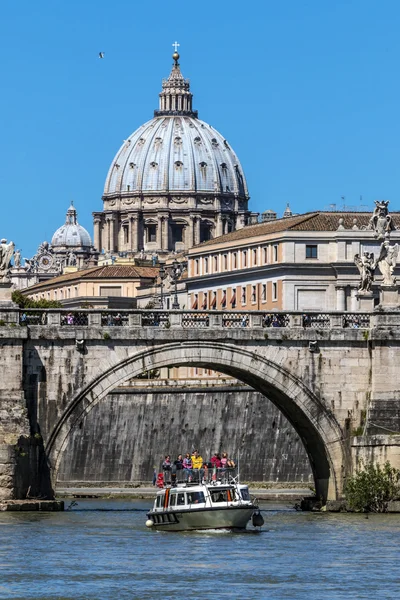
x=193 y=319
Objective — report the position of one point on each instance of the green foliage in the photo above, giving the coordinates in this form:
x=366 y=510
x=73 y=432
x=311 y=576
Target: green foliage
x=372 y=487
x=365 y=335
x=2 y=322
x=106 y=336
x=25 y=302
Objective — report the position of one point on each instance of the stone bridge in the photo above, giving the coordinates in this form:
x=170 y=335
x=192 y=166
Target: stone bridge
x=334 y=376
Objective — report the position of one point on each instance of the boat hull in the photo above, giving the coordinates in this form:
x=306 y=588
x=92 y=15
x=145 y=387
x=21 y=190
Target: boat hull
x=232 y=517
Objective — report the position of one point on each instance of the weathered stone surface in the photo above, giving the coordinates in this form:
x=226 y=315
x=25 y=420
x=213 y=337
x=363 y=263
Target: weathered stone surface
x=129 y=432
x=326 y=394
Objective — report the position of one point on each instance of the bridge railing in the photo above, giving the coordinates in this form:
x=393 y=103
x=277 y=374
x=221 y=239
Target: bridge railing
x=189 y=319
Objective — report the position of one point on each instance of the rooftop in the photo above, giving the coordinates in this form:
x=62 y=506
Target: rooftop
x=104 y=272
x=313 y=221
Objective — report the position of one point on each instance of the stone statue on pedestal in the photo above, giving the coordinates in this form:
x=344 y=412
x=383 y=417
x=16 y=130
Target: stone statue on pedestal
x=17 y=259
x=6 y=253
x=366 y=265
x=381 y=222
x=387 y=262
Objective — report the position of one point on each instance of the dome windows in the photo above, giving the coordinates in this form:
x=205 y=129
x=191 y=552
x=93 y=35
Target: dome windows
x=224 y=168
x=178 y=141
x=158 y=142
x=141 y=142
x=178 y=164
x=132 y=165
x=214 y=143
x=154 y=165
x=197 y=140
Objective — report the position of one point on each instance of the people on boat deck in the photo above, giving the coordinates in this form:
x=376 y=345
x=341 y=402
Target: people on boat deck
x=177 y=465
x=216 y=461
x=167 y=463
x=227 y=462
x=187 y=466
x=197 y=464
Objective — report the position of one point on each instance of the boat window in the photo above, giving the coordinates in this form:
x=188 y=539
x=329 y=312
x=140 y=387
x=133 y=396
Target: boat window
x=160 y=500
x=195 y=498
x=219 y=496
x=172 y=500
x=245 y=493
x=180 y=500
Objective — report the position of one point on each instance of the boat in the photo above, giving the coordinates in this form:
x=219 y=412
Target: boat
x=219 y=503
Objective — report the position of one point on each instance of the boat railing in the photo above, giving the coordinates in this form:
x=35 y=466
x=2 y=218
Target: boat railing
x=209 y=475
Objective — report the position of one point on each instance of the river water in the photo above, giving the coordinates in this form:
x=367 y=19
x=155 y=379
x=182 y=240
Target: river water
x=101 y=549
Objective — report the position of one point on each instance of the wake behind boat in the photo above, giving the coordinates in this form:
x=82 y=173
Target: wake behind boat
x=222 y=503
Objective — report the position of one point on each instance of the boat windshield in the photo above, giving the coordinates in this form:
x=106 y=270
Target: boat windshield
x=223 y=495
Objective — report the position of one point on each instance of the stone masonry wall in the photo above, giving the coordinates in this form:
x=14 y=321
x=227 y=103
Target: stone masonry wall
x=128 y=433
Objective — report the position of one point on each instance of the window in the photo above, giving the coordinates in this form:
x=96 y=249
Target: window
x=274 y=291
x=275 y=253
x=151 y=233
x=244 y=295
x=111 y=290
x=225 y=261
x=254 y=257
x=196 y=266
x=195 y=498
x=264 y=292
x=195 y=303
x=55 y=294
x=244 y=258
x=204 y=305
x=76 y=291
x=223 y=299
x=312 y=251
x=206 y=265
x=233 y=298
x=172 y=500
x=265 y=255
x=235 y=260
x=215 y=264
x=253 y=293
x=213 y=303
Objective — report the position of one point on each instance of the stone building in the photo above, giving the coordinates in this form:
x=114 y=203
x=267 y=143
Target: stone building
x=301 y=262
x=174 y=183
x=113 y=286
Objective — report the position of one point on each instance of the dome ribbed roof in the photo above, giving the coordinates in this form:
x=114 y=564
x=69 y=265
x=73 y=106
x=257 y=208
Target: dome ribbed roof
x=176 y=152
x=71 y=234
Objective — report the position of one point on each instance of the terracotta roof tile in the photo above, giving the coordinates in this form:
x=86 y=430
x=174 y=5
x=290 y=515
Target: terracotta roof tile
x=315 y=221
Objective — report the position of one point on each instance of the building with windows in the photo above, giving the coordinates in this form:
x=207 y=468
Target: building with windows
x=174 y=183
x=99 y=287
x=302 y=262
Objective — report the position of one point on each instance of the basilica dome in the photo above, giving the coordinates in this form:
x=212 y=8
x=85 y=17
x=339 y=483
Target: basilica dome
x=174 y=183
x=176 y=154
x=71 y=234
x=175 y=151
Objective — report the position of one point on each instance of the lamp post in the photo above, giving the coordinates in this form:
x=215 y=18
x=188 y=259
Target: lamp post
x=162 y=274
x=176 y=273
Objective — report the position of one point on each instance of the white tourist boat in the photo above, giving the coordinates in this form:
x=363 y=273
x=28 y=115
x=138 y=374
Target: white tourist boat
x=219 y=504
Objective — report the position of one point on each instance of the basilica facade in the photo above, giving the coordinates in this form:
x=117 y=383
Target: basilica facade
x=174 y=183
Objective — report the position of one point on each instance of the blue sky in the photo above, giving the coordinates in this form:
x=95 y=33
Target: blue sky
x=306 y=92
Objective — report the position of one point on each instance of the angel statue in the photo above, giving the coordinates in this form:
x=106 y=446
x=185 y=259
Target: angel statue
x=387 y=262
x=381 y=222
x=366 y=265
x=6 y=253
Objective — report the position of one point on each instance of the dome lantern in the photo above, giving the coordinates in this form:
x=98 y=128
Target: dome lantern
x=176 y=97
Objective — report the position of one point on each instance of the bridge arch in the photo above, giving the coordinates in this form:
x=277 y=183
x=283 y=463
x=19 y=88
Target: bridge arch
x=316 y=425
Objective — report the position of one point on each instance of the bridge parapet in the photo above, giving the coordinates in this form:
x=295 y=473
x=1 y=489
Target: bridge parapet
x=194 y=319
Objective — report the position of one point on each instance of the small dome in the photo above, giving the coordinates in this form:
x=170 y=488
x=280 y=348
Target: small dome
x=71 y=234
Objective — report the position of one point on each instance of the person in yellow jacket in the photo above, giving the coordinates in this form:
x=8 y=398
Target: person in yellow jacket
x=197 y=465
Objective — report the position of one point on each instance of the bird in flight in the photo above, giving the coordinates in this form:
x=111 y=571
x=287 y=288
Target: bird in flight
x=101 y=54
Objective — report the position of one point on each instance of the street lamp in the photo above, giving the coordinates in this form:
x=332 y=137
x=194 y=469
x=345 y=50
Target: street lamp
x=162 y=274
x=175 y=274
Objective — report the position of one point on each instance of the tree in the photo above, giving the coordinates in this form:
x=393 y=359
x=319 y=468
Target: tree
x=24 y=302
x=373 y=487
